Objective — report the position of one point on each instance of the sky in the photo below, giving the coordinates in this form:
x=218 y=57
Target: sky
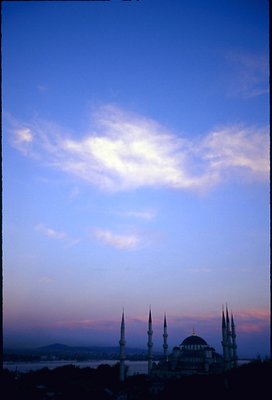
x=135 y=154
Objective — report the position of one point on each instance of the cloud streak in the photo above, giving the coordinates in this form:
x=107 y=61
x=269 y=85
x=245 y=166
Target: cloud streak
x=247 y=321
x=237 y=148
x=51 y=233
x=250 y=74
x=142 y=215
x=56 y=235
x=125 y=242
x=22 y=139
x=127 y=152
x=253 y=320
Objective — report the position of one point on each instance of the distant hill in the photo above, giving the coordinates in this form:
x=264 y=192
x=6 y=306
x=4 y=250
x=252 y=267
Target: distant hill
x=61 y=351
x=58 y=347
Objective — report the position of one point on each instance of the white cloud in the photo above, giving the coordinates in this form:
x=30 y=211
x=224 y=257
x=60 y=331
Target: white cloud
x=24 y=135
x=128 y=242
x=59 y=235
x=22 y=139
x=52 y=233
x=239 y=148
x=128 y=152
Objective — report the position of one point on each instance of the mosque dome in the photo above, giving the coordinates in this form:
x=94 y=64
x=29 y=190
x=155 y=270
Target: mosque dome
x=193 y=340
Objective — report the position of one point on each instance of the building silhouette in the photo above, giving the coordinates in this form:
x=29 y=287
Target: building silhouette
x=193 y=356
x=122 y=344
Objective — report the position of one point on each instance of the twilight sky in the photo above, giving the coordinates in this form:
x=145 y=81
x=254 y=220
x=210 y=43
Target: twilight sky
x=135 y=149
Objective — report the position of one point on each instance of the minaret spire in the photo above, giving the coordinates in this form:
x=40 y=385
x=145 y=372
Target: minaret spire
x=149 y=343
x=234 y=345
x=224 y=339
x=122 y=343
x=165 y=335
x=229 y=340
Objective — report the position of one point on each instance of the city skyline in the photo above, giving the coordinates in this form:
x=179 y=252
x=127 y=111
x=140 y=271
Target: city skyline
x=135 y=146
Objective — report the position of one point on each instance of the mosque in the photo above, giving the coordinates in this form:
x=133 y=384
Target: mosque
x=193 y=356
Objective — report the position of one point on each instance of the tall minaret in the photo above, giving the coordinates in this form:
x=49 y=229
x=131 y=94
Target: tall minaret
x=229 y=340
x=149 y=343
x=234 y=345
x=224 y=340
x=165 y=335
x=122 y=343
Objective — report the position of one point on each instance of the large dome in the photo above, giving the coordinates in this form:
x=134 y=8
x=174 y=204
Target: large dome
x=193 y=340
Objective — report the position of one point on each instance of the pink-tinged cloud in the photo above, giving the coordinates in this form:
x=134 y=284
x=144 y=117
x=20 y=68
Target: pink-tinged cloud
x=246 y=321
x=252 y=329
x=87 y=324
x=253 y=320
x=256 y=313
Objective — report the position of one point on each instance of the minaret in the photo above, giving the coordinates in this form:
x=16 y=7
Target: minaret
x=229 y=340
x=165 y=335
x=149 y=343
x=224 y=340
x=122 y=343
x=234 y=345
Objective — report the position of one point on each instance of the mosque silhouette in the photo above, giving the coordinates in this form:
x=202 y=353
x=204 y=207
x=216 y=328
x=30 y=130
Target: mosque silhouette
x=193 y=356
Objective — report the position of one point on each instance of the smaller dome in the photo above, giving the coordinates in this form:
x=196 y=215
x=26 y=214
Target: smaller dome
x=193 y=340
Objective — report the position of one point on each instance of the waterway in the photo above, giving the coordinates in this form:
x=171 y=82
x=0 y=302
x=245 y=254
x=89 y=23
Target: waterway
x=134 y=367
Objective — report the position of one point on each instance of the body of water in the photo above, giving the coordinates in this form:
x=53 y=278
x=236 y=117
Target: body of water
x=134 y=367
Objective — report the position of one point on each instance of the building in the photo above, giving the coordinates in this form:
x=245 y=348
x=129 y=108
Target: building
x=193 y=356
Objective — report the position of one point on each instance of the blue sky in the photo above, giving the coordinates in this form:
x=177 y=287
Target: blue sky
x=135 y=170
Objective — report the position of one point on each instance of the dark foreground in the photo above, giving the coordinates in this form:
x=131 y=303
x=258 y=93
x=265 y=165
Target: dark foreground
x=66 y=383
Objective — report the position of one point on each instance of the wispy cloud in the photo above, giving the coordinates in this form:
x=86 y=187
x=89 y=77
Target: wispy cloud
x=249 y=74
x=144 y=214
x=42 y=87
x=128 y=242
x=132 y=152
x=237 y=148
x=253 y=320
x=22 y=139
x=54 y=234
x=247 y=321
